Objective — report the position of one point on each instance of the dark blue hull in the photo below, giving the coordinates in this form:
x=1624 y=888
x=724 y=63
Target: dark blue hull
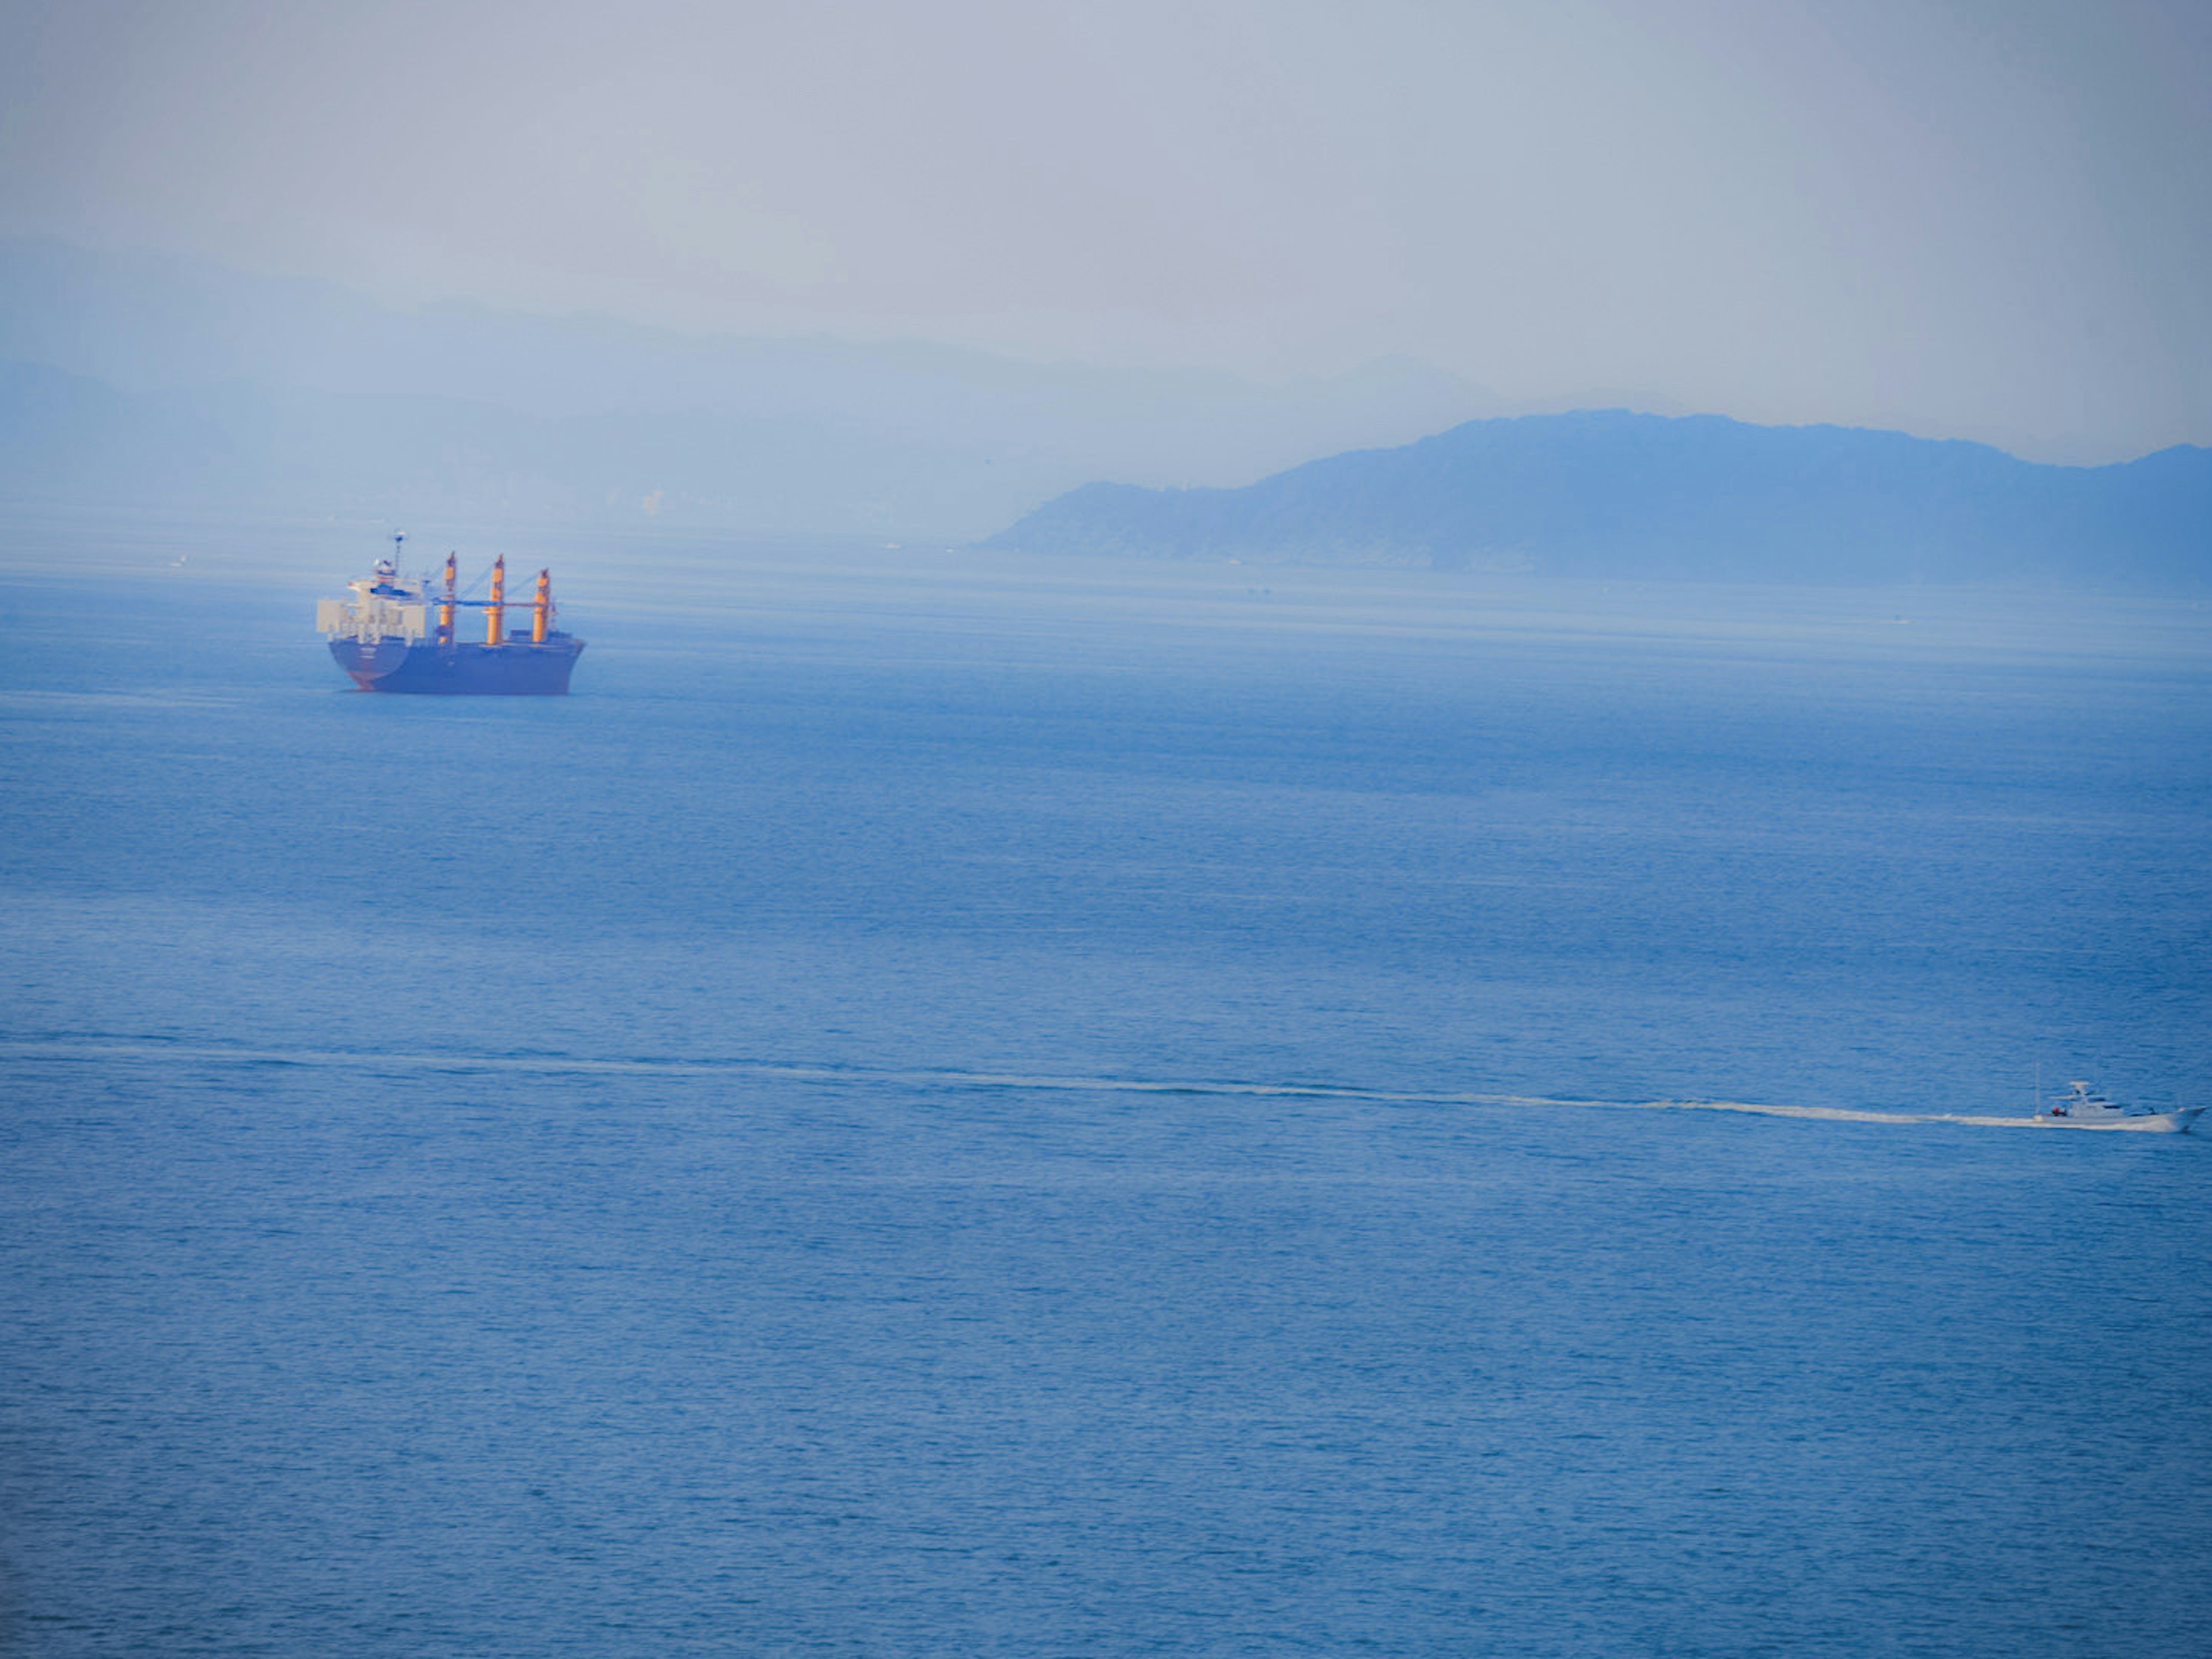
x=514 y=670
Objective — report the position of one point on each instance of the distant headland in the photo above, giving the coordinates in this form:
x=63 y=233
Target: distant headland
x=1612 y=495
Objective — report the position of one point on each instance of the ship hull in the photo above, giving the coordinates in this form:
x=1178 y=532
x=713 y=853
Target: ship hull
x=519 y=669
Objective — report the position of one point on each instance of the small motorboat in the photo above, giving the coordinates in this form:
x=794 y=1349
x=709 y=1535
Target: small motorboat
x=2084 y=1107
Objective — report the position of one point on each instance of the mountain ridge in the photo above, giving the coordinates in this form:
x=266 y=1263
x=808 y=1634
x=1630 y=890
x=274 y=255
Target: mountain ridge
x=1609 y=494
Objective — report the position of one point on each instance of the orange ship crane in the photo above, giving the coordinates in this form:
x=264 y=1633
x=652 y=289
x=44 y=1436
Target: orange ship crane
x=495 y=612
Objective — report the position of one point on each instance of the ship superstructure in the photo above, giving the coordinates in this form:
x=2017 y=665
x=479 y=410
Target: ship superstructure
x=402 y=634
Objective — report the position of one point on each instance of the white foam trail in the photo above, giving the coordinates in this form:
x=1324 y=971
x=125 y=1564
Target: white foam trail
x=435 y=1061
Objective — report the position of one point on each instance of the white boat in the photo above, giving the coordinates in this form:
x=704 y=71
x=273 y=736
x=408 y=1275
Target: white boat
x=2085 y=1108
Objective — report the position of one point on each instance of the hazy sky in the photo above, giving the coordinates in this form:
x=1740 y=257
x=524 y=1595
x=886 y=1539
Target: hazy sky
x=1988 y=218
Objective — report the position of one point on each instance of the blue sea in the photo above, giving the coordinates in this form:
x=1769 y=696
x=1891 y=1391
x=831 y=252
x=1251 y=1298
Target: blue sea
x=948 y=1106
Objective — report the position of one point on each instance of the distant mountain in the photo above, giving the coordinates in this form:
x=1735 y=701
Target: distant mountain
x=146 y=380
x=70 y=441
x=1614 y=495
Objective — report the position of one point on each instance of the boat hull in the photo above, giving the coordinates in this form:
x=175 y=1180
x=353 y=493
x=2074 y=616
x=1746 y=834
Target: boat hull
x=2148 y=1123
x=519 y=669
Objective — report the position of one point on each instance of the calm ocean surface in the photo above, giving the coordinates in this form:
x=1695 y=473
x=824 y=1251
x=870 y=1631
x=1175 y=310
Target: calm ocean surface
x=972 y=1109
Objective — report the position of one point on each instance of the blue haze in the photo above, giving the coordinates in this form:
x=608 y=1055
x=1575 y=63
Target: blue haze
x=931 y=1109
x=179 y=385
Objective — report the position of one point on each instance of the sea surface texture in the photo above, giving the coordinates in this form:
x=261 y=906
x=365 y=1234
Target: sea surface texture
x=946 y=1108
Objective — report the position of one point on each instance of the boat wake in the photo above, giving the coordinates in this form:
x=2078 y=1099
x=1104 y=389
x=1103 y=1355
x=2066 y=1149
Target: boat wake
x=94 y=1048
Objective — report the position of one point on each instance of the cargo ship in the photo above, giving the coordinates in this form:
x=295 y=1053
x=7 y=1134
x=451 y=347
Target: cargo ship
x=400 y=634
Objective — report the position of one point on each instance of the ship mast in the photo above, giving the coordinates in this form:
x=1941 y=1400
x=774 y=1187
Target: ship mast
x=495 y=616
